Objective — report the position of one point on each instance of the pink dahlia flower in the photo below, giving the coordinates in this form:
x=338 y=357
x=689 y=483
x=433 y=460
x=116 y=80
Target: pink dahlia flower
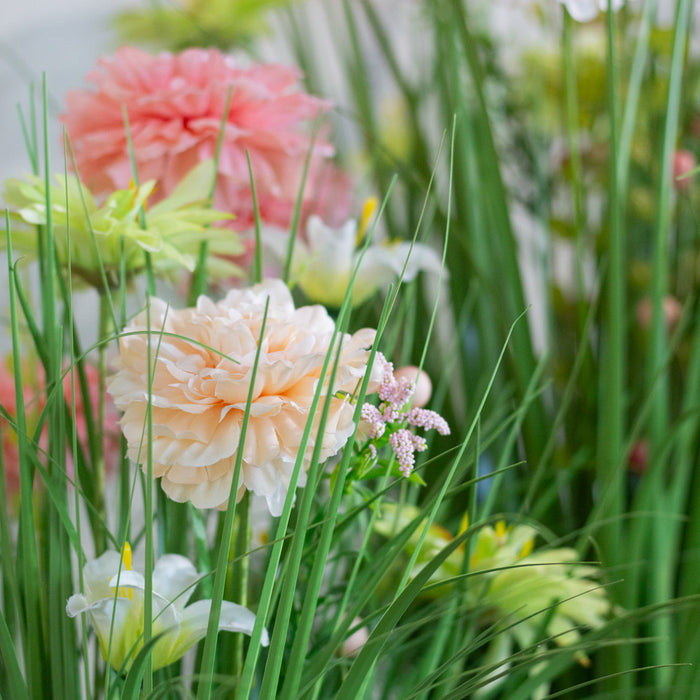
x=175 y=105
x=200 y=387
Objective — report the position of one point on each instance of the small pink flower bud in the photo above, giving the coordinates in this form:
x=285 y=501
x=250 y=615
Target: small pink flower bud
x=671 y=310
x=638 y=458
x=683 y=162
x=424 y=387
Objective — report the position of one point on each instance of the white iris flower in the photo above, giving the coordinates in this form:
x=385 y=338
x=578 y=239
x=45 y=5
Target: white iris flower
x=114 y=596
x=322 y=266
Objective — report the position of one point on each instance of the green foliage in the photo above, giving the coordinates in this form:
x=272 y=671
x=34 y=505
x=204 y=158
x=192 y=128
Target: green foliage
x=574 y=409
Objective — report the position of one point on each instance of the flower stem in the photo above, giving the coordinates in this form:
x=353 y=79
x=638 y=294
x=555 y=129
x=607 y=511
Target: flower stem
x=99 y=531
x=240 y=573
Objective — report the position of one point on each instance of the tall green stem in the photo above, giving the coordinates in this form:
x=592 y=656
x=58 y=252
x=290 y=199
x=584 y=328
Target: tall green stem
x=100 y=522
x=240 y=576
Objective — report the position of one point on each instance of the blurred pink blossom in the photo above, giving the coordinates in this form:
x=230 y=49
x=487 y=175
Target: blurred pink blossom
x=34 y=396
x=684 y=162
x=670 y=307
x=175 y=105
x=638 y=458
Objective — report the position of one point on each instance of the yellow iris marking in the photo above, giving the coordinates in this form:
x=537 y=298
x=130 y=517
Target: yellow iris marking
x=126 y=560
x=527 y=548
x=126 y=556
x=464 y=524
x=368 y=209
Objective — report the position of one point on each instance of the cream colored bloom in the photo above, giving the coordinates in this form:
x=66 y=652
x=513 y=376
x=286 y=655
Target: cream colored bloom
x=113 y=599
x=200 y=388
x=324 y=266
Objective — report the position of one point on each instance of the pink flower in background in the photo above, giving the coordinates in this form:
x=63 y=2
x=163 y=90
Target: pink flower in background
x=421 y=381
x=684 y=162
x=175 y=104
x=8 y=400
x=200 y=388
x=34 y=394
x=110 y=430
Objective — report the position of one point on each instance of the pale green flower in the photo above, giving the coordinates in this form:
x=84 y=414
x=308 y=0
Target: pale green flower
x=113 y=599
x=518 y=584
x=186 y=23
x=174 y=229
x=323 y=266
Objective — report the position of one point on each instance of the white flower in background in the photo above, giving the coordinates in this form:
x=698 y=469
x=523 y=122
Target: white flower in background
x=586 y=10
x=323 y=265
x=113 y=598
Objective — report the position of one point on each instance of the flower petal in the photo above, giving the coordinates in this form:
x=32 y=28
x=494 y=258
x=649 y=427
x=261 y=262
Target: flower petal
x=98 y=572
x=174 y=577
x=195 y=620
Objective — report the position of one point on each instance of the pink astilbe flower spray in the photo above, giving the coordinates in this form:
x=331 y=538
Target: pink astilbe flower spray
x=389 y=422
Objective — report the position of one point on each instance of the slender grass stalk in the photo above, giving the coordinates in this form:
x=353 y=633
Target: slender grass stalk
x=257 y=260
x=148 y=511
x=366 y=659
x=74 y=432
x=572 y=131
x=611 y=421
x=27 y=563
x=662 y=578
x=297 y=205
x=453 y=468
x=240 y=577
x=631 y=104
x=271 y=677
x=98 y=464
x=522 y=356
x=208 y=658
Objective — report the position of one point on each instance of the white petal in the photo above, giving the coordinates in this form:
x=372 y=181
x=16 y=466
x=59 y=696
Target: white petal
x=127 y=579
x=386 y=262
x=123 y=619
x=195 y=619
x=581 y=10
x=174 y=577
x=98 y=572
x=333 y=246
x=164 y=613
x=77 y=604
x=276 y=499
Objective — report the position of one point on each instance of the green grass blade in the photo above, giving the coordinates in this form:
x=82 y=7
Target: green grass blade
x=210 y=642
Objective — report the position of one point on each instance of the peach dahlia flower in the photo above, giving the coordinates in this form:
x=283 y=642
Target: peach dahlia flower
x=175 y=104
x=200 y=388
